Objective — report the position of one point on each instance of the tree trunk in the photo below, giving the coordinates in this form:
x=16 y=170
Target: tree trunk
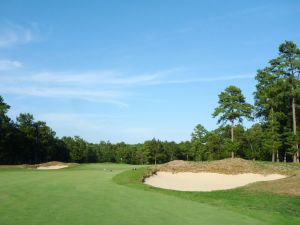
x=252 y=151
x=295 y=128
x=232 y=137
x=273 y=153
x=284 y=157
x=232 y=125
x=277 y=156
x=297 y=156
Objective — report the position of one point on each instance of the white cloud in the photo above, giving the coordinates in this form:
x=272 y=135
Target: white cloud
x=112 y=97
x=101 y=87
x=10 y=64
x=209 y=79
x=113 y=78
x=99 y=77
x=13 y=34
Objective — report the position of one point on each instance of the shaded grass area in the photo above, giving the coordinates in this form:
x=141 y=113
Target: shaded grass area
x=253 y=203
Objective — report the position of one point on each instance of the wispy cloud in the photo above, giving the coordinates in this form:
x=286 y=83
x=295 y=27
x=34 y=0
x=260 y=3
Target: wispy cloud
x=118 y=79
x=209 y=79
x=100 y=77
x=10 y=64
x=112 y=97
x=11 y=34
x=102 y=87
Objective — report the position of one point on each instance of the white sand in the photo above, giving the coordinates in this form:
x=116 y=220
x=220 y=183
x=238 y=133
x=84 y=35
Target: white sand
x=51 y=167
x=188 y=181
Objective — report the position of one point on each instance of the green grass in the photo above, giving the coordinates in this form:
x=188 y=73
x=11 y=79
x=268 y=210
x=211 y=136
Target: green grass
x=112 y=194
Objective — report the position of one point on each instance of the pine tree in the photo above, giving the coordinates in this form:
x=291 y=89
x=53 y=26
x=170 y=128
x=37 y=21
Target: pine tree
x=232 y=107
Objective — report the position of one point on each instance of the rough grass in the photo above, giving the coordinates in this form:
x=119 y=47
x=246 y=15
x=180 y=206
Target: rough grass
x=229 y=166
x=286 y=186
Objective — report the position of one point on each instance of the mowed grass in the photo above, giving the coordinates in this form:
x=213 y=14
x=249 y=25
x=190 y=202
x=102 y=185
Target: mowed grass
x=112 y=194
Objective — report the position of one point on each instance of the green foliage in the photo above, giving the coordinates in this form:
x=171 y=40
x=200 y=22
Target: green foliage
x=254 y=142
x=232 y=106
x=198 y=143
x=277 y=94
x=271 y=140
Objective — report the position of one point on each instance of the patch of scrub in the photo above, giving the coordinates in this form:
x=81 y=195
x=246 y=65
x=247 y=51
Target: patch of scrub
x=203 y=181
x=51 y=167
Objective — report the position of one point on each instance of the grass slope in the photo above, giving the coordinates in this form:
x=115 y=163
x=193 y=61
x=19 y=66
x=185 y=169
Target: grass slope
x=87 y=195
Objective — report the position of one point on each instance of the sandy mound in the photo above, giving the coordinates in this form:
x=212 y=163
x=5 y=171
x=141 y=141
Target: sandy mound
x=203 y=181
x=51 y=167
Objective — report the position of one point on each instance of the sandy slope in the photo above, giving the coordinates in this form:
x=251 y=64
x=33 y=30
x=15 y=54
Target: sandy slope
x=205 y=181
x=55 y=167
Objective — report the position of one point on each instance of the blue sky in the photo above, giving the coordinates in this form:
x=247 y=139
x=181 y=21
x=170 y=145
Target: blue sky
x=134 y=70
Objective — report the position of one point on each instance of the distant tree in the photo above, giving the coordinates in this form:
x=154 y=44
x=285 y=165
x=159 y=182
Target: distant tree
x=277 y=96
x=185 y=149
x=199 y=134
x=268 y=103
x=142 y=154
x=77 y=147
x=5 y=132
x=106 y=152
x=254 y=141
x=170 y=149
x=287 y=65
x=271 y=138
x=232 y=107
x=215 y=145
x=28 y=140
x=155 y=149
x=198 y=142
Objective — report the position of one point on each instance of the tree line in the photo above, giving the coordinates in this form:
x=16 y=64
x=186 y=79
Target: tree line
x=274 y=136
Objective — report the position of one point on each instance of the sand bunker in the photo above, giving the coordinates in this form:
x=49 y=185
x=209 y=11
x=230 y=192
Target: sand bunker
x=51 y=167
x=203 y=181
